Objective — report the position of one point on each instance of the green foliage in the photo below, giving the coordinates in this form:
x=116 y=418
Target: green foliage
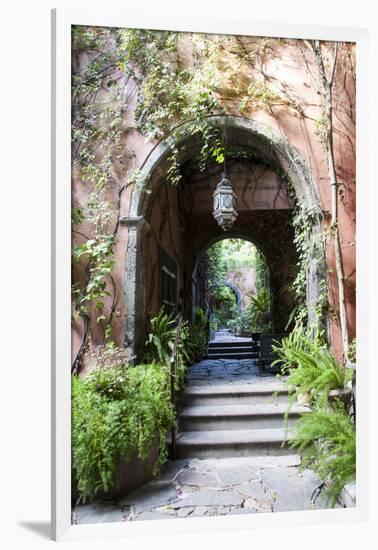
x=259 y=95
x=100 y=261
x=325 y=436
x=287 y=350
x=261 y=271
x=170 y=94
x=303 y=220
x=311 y=367
x=117 y=412
x=160 y=343
x=327 y=443
x=216 y=266
x=352 y=351
x=197 y=335
x=151 y=57
x=98 y=253
x=225 y=305
x=256 y=317
x=97 y=125
x=226 y=255
x=77 y=216
x=160 y=339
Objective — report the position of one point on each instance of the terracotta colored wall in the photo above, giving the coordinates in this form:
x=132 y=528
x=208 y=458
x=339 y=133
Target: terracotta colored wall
x=244 y=278
x=286 y=64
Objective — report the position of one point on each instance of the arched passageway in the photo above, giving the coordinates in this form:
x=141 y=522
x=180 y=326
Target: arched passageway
x=169 y=227
x=231 y=282
x=235 y=291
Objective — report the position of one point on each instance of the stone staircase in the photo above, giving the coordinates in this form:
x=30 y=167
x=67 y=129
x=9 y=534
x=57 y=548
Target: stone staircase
x=219 y=421
x=238 y=349
x=226 y=345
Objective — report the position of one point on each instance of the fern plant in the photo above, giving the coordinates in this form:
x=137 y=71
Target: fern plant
x=260 y=305
x=197 y=335
x=160 y=342
x=317 y=373
x=327 y=443
x=311 y=367
x=286 y=350
x=117 y=413
x=352 y=351
x=255 y=317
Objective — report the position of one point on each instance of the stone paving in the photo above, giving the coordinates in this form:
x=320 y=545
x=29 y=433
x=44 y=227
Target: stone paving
x=208 y=487
x=224 y=486
x=225 y=371
x=227 y=336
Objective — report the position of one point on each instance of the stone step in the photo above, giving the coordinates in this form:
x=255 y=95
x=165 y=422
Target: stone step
x=237 y=417
x=227 y=443
x=222 y=345
x=229 y=349
x=245 y=394
x=231 y=355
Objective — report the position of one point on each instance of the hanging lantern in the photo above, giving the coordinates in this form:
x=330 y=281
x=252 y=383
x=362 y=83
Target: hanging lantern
x=224 y=204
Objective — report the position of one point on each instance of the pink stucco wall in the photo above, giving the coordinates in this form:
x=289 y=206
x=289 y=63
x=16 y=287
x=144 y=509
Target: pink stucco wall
x=287 y=65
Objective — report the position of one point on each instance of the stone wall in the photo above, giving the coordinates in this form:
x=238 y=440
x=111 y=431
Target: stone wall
x=244 y=279
x=179 y=220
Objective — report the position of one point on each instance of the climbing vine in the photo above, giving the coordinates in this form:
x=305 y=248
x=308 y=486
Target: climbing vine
x=303 y=220
x=154 y=81
x=98 y=108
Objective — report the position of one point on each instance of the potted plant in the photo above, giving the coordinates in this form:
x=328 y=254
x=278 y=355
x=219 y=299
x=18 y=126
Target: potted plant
x=120 y=418
x=313 y=372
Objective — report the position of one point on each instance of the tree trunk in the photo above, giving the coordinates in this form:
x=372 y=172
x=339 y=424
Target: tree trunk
x=327 y=94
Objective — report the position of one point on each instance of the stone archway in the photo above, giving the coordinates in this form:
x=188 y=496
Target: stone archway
x=280 y=309
x=235 y=290
x=270 y=145
x=232 y=234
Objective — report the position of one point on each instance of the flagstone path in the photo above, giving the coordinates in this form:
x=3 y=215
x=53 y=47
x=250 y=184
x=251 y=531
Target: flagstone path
x=193 y=487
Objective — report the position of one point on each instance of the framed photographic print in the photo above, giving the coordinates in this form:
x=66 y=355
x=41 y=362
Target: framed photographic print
x=207 y=337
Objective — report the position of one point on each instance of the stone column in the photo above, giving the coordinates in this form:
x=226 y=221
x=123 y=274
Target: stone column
x=134 y=291
x=317 y=283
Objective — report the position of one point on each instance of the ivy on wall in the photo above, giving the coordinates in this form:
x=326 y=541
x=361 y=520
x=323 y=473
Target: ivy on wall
x=176 y=78
x=303 y=220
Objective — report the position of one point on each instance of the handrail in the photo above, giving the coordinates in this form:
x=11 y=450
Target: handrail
x=173 y=363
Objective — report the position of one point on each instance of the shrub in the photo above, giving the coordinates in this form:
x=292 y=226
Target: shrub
x=352 y=351
x=117 y=412
x=328 y=446
x=318 y=372
x=160 y=342
x=288 y=348
x=197 y=334
x=225 y=304
x=325 y=435
x=161 y=336
x=255 y=317
x=311 y=367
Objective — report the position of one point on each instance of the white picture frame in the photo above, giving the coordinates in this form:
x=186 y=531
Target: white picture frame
x=61 y=298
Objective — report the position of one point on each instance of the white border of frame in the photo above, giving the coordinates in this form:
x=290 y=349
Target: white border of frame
x=61 y=273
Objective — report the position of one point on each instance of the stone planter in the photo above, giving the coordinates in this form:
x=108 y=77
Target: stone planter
x=304 y=399
x=131 y=475
x=353 y=367
x=344 y=395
